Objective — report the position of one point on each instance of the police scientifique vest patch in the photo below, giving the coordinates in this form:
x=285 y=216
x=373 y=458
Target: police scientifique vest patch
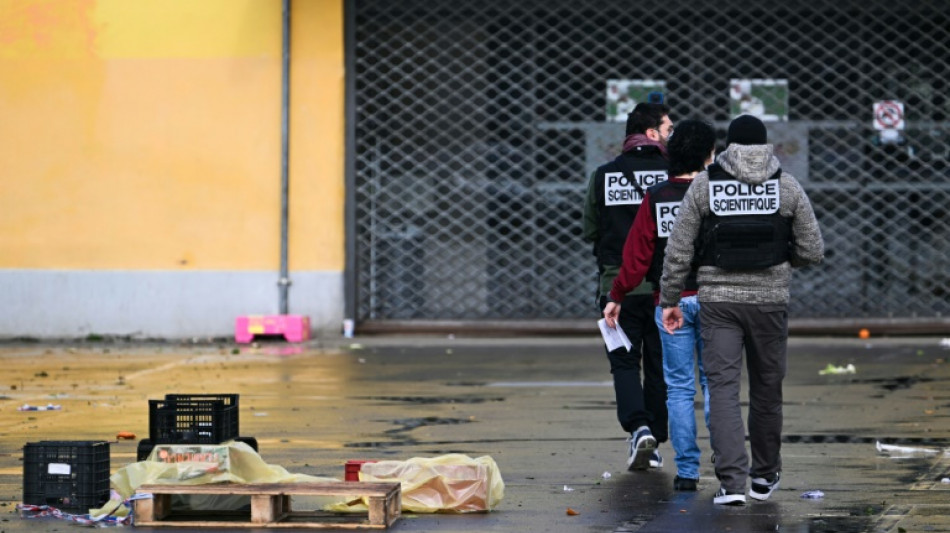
x=619 y=191
x=665 y=216
x=733 y=197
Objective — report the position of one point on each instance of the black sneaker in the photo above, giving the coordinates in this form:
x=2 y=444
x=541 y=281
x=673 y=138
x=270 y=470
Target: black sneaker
x=684 y=483
x=727 y=497
x=642 y=444
x=762 y=487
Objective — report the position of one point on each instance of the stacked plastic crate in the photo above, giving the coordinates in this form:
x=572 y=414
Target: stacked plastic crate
x=192 y=419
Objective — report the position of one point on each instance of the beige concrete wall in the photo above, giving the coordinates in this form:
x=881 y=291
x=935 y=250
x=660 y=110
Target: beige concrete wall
x=144 y=138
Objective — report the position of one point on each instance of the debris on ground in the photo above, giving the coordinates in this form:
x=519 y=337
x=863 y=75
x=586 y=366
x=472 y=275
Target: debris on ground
x=48 y=407
x=813 y=495
x=835 y=370
x=904 y=451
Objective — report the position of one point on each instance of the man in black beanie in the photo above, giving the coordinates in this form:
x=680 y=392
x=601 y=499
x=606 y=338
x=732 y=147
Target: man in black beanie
x=746 y=223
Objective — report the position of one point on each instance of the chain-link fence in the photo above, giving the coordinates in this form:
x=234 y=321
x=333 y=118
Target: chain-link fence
x=477 y=124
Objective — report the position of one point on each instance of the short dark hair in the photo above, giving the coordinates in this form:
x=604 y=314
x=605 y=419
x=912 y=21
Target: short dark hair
x=689 y=146
x=646 y=116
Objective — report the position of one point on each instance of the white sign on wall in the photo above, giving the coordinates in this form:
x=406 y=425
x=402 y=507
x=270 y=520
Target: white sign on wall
x=624 y=95
x=888 y=115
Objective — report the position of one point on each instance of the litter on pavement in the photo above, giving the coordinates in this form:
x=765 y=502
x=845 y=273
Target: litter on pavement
x=48 y=407
x=832 y=369
x=904 y=451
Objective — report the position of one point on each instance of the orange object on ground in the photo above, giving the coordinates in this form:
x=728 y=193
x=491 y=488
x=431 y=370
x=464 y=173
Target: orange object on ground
x=125 y=435
x=864 y=333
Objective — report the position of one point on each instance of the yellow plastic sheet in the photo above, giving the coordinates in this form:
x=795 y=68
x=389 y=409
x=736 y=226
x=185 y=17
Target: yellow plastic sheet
x=447 y=483
x=232 y=461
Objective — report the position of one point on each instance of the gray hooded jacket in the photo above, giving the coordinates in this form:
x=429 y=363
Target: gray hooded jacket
x=749 y=164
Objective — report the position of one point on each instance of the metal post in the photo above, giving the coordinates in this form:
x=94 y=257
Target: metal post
x=349 y=209
x=284 y=281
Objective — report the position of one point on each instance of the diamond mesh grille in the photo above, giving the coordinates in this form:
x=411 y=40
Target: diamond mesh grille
x=477 y=124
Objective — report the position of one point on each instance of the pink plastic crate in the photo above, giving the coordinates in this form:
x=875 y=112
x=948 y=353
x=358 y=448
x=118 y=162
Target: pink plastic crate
x=294 y=328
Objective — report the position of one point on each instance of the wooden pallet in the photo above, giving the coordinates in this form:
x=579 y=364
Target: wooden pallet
x=270 y=505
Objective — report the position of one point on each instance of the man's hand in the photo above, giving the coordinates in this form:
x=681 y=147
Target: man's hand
x=612 y=313
x=672 y=319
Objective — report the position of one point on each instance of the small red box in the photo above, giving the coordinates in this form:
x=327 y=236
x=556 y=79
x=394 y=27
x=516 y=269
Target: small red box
x=353 y=470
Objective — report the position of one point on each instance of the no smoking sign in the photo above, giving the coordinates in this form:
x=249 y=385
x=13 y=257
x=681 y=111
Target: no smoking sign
x=889 y=115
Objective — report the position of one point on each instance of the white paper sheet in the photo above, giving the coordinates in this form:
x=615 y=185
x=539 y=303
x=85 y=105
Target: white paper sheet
x=613 y=337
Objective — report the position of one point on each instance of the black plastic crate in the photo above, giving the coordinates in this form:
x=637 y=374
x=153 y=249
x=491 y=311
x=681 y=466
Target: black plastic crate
x=71 y=475
x=228 y=399
x=192 y=421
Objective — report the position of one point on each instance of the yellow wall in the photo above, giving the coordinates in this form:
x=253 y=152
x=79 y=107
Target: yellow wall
x=145 y=135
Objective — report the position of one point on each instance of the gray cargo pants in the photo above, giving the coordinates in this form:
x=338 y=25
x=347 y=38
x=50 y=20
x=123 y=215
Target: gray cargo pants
x=763 y=330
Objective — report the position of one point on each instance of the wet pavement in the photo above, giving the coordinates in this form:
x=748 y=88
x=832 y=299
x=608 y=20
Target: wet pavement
x=542 y=408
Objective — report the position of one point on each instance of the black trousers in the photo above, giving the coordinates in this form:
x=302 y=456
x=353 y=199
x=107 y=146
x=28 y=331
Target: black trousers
x=640 y=403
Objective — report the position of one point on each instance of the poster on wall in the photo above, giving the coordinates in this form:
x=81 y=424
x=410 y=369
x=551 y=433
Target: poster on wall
x=624 y=95
x=763 y=98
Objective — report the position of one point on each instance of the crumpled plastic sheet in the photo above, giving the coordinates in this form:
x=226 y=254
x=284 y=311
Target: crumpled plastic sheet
x=238 y=463
x=453 y=483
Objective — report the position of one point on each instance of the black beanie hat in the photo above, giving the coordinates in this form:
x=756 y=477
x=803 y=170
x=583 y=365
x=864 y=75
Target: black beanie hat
x=746 y=130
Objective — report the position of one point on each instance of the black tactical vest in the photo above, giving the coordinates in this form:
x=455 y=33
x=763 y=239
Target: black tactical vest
x=665 y=199
x=744 y=229
x=618 y=199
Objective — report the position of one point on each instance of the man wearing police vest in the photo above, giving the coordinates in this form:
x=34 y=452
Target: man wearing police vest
x=747 y=224
x=614 y=195
x=691 y=149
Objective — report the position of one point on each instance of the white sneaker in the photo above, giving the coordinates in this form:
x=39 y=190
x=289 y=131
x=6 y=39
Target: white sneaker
x=642 y=445
x=762 y=487
x=725 y=497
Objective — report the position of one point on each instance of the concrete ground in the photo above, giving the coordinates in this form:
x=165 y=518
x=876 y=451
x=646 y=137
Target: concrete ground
x=542 y=408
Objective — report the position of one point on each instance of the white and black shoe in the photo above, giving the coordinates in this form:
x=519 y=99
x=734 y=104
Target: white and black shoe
x=727 y=497
x=642 y=445
x=762 y=487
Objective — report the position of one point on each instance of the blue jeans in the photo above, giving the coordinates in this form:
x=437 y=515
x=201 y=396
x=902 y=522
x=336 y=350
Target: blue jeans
x=680 y=376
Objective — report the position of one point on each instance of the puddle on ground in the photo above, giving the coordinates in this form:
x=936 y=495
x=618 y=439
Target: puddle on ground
x=593 y=405
x=834 y=524
x=854 y=439
x=429 y=400
x=895 y=383
x=408 y=424
x=399 y=436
